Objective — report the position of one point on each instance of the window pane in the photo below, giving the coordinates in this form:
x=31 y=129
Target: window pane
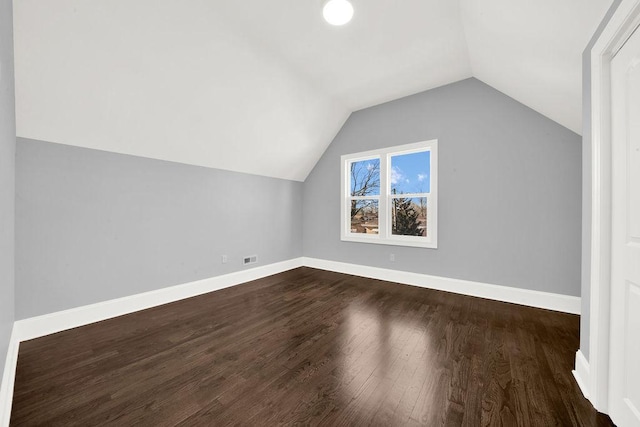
x=364 y=216
x=365 y=178
x=409 y=216
x=411 y=173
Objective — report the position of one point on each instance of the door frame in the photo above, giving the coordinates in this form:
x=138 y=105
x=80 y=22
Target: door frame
x=623 y=22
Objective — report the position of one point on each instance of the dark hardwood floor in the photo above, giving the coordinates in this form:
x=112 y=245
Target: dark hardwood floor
x=309 y=347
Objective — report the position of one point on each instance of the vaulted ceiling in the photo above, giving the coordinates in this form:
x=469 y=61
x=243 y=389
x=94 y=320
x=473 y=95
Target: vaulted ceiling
x=263 y=86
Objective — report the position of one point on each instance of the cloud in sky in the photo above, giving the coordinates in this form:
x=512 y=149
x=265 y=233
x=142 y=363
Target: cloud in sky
x=396 y=175
x=422 y=177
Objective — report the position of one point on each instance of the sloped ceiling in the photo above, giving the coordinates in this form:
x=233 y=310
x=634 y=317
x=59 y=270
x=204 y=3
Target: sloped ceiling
x=263 y=86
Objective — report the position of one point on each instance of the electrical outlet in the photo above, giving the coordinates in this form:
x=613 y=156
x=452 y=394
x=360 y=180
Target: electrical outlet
x=392 y=257
x=224 y=259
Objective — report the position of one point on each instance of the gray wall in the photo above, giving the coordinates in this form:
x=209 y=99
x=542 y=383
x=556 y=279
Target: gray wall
x=93 y=225
x=7 y=168
x=586 y=182
x=509 y=183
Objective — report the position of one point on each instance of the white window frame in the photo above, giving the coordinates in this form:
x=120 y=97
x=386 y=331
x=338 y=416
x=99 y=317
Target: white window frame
x=384 y=236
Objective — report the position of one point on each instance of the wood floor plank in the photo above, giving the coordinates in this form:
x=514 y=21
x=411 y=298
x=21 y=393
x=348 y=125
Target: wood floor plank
x=309 y=347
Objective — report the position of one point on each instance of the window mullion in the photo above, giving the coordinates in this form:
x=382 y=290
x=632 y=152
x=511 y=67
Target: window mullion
x=383 y=214
x=409 y=195
x=363 y=197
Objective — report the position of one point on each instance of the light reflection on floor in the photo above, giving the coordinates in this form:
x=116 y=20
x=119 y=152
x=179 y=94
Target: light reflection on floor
x=380 y=353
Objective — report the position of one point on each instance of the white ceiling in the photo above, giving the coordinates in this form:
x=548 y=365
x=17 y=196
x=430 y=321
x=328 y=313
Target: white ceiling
x=263 y=86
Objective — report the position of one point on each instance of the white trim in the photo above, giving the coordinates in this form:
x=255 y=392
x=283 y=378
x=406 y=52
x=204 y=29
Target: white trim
x=617 y=29
x=8 y=380
x=546 y=300
x=39 y=326
x=581 y=373
x=51 y=323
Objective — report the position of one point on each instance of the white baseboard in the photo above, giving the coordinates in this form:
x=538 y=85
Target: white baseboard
x=581 y=373
x=546 y=300
x=8 y=379
x=39 y=326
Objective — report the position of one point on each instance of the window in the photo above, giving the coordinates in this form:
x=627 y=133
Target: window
x=389 y=196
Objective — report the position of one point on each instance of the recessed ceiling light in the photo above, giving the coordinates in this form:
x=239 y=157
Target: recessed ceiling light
x=337 y=12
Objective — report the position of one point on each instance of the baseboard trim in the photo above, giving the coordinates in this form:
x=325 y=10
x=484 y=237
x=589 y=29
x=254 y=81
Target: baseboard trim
x=546 y=300
x=39 y=326
x=581 y=374
x=8 y=380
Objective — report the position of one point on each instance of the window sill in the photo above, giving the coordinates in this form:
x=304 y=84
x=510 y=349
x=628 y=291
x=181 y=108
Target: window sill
x=392 y=242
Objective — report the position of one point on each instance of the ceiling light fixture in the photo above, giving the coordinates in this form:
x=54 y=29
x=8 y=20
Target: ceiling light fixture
x=337 y=12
